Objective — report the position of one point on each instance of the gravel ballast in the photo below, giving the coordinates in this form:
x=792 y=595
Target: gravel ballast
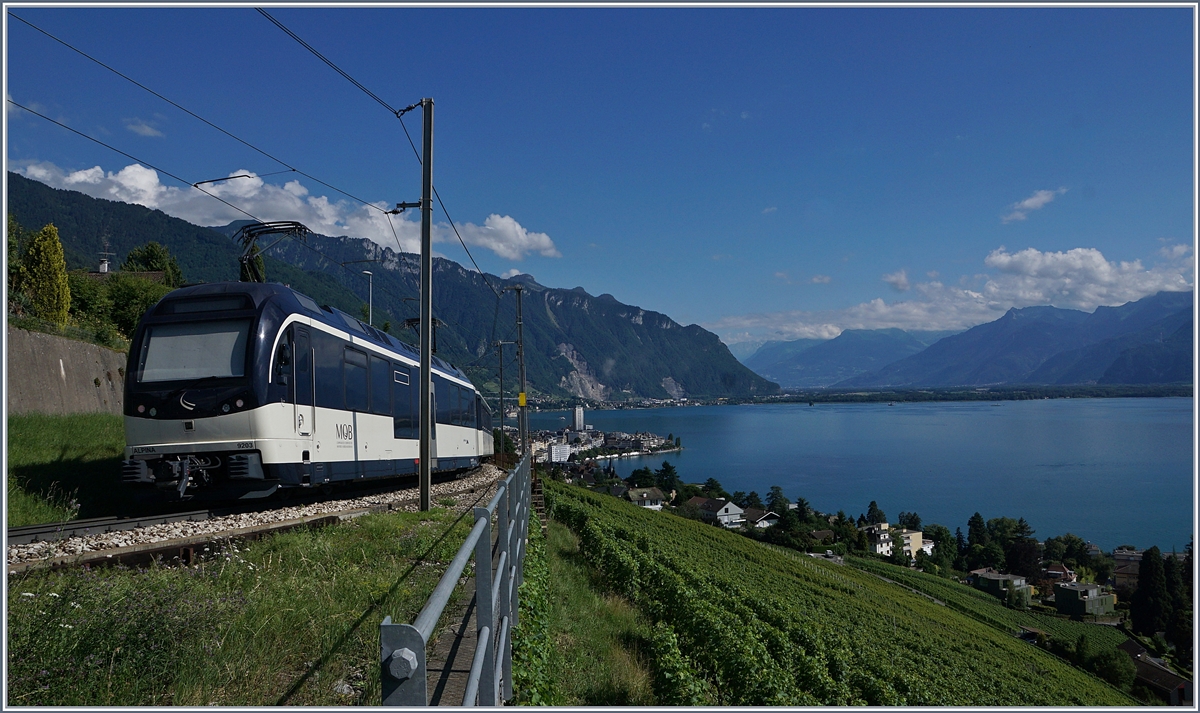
x=481 y=482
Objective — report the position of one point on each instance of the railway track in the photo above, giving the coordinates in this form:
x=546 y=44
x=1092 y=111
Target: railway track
x=181 y=535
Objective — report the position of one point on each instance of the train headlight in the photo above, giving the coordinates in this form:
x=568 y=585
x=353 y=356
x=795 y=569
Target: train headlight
x=224 y=408
x=141 y=408
x=153 y=412
x=239 y=403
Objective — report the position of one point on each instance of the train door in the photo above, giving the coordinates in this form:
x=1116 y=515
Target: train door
x=432 y=424
x=304 y=385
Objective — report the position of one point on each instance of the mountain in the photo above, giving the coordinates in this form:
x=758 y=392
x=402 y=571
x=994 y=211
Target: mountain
x=1048 y=345
x=575 y=344
x=812 y=363
x=771 y=353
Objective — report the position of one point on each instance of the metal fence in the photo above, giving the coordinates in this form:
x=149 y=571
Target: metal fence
x=402 y=647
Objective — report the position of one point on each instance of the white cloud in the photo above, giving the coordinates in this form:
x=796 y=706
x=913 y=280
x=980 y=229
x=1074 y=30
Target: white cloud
x=745 y=115
x=821 y=279
x=511 y=273
x=141 y=128
x=505 y=237
x=1080 y=279
x=898 y=280
x=502 y=235
x=772 y=209
x=1020 y=209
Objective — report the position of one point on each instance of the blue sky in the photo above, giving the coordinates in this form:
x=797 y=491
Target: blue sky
x=769 y=173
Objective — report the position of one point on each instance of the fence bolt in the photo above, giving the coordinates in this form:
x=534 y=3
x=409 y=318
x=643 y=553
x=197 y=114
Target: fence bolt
x=403 y=664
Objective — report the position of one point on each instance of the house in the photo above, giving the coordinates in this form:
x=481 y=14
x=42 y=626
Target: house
x=879 y=539
x=649 y=498
x=617 y=491
x=1125 y=576
x=1078 y=599
x=927 y=546
x=910 y=541
x=822 y=535
x=1002 y=586
x=1060 y=573
x=722 y=511
x=559 y=452
x=754 y=517
x=1176 y=689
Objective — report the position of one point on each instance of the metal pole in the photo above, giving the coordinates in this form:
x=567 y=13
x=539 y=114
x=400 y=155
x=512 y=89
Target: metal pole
x=523 y=414
x=426 y=450
x=499 y=447
x=370 y=297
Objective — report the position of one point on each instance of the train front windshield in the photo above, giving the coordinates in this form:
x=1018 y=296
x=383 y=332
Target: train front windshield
x=194 y=350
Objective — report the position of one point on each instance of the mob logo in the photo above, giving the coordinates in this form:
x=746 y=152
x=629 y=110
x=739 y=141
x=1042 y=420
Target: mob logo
x=345 y=431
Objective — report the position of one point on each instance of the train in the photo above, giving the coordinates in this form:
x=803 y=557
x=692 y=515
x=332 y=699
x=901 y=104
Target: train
x=243 y=389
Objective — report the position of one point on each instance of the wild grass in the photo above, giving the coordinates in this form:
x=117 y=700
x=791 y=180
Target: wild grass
x=289 y=620
x=62 y=467
x=601 y=640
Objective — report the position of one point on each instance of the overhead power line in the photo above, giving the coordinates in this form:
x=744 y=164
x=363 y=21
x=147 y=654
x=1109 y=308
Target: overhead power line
x=189 y=112
x=399 y=114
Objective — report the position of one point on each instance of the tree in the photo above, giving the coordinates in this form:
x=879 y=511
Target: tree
x=803 y=509
x=739 y=498
x=754 y=501
x=641 y=478
x=1022 y=557
x=15 y=242
x=875 y=516
x=1150 y=607
x=977 y=533
x=712 y=487
x=153 y=257
x=1173 y=575
x=44 y=276
x=667 y=478
x=131 y=297
x=776 y=501
x=1179 y=632
x=909 y=521
x=1115 y=666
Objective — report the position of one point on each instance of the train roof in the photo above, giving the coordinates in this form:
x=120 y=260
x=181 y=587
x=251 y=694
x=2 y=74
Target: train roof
x=261 y=292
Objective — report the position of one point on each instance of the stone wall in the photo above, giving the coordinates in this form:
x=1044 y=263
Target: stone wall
x=54 y=375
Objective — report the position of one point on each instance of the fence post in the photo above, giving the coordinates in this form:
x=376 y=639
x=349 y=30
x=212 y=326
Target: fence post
x=402 y=665
x=484 y=606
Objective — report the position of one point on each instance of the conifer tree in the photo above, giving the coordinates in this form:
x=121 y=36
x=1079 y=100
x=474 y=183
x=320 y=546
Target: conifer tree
x=1150 y=606
x=977 y=533
x=13 y=241
x=44 y=277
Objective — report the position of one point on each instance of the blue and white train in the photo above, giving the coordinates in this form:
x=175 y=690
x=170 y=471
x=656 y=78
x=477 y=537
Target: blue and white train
x=250 y=387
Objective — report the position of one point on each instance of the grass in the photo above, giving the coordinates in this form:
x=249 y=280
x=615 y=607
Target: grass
x=289 y=620
x=600 y=639
x=62 y=467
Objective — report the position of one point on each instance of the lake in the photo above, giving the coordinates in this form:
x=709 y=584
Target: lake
x=1113 y=471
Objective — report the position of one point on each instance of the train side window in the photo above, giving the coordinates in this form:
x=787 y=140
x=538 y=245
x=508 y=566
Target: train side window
x=381 y=386
x=328 y=377
x=355 y=374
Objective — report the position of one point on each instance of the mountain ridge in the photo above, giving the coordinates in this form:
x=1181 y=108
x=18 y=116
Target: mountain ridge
x=576 y=345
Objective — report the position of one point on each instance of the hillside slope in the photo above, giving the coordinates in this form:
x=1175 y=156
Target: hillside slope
x=740 y=623
x=853 y=352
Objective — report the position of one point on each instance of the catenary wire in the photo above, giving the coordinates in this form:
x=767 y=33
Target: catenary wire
x=398 y=113
x=196 y=116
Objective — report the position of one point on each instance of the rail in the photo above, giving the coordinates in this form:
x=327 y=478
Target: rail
x=402 y=647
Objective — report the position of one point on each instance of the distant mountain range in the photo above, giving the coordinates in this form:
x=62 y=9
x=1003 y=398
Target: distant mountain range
x=816 y=363
x=575 y=344
x=1144 y=342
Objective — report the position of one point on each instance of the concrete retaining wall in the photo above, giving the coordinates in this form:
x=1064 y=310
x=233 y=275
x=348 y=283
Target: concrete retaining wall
x=55 y=375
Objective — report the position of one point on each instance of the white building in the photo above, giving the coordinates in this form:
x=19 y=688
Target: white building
x=559 y=452
x=578 y=418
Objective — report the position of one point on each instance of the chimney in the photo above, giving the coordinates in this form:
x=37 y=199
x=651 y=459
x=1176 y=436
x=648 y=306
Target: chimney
x=103 y=264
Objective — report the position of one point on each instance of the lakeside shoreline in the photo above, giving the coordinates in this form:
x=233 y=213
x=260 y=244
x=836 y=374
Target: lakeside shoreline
x=932 y=395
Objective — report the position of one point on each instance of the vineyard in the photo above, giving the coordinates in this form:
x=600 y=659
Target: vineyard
x=986 y=608
x=739 y=623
